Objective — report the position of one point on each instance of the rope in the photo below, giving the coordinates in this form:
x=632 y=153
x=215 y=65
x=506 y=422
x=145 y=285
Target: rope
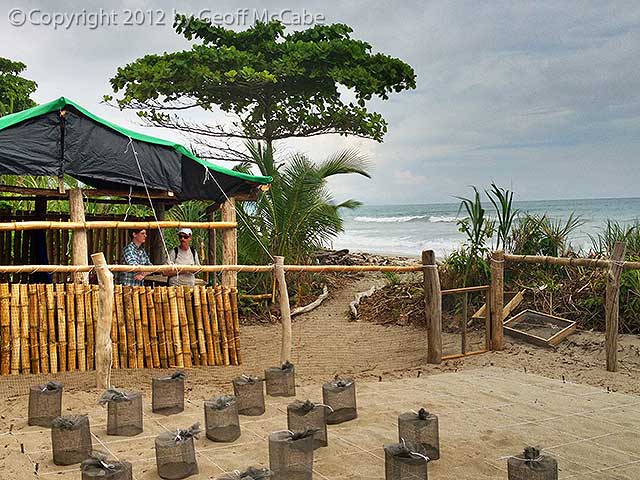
x=207 y=174
x=146 y=189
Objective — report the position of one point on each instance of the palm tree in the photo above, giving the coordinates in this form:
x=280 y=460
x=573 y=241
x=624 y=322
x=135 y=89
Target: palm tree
x=297 y=216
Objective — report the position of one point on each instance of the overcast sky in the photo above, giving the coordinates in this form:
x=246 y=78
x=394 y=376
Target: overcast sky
x=542 y=97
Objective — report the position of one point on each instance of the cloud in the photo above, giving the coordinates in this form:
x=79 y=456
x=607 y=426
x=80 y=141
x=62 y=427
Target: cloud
x=541 y=96
x=408 y=179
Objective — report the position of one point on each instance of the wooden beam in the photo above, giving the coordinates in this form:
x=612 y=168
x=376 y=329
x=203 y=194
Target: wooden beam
x=432 y=306
x=89 y=192
x=285 y=310
x=496 y=303
x=569 y=262
x=103 y=347
x=229 y=243
x=612 y=305
x=80 y=251
x=102 y=224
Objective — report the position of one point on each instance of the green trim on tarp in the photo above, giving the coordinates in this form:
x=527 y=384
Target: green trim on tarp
x=59 y=104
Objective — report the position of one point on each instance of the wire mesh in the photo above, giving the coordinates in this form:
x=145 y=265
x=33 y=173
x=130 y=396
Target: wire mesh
x=45 y=403
x=71 y=439
x=249 y=394
x=421 y=428
x=176 y=454
x=340 y=395
x=307 y=415
x=291 y=455
x=281 y=381
x=221 y=419
x=168 y=394
x=101 y=469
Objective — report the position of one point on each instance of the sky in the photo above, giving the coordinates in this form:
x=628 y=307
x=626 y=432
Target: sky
x=541 y=97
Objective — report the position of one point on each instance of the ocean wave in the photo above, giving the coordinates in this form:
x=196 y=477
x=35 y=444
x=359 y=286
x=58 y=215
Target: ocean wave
x=442 y=219
x=407 y=218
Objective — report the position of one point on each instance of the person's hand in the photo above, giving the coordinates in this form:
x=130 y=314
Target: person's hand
x=139 y=276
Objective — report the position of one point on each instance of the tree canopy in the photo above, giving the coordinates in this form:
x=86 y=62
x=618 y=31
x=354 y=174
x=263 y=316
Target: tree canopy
x=276 y=84
x=15 y=90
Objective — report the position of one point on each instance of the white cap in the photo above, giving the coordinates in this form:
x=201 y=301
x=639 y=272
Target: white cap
x=186 y=231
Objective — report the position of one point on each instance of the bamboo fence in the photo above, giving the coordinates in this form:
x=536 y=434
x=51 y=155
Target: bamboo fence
x=47 y=328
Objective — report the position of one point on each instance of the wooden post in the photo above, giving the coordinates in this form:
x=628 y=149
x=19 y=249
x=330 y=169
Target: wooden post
x=611 y=305
x=157 y=247
x=212 y=251
x=285 y=310
x=432 y=306
x=229 y=243
x=497 y=300
x=79 y=240
x=103 y=323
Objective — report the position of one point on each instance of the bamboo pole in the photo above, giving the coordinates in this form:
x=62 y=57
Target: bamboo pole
x=229 y=242
x=222 y=326
x=236 y=323
x=24 y=320
x=463 y=325
x=168 y=326
x=62 y=327
x=33 y=328
x=132 y=343
x=123 y=329
x=115 y=353
x=285 y=310
x=153 y=328
x=137 y=318
x=175 y=327
x=184 y=327
x=104 y=322
x=15 y=329
x=432 y=306
x=201 y=293
x=90 y=334
x=200 y=330
x=102 y=224
x=191 y=323
x=162 y=337
x=146 y=336
x=612 y=305
x=43 y=328
x=5 y=330
x=79 y=246
x=71 y=328
x=497 y=300
x=231 y=333
x=215 y=327
x=80 y=327
x=568 y=261
x=51 y=324
x=353 y=268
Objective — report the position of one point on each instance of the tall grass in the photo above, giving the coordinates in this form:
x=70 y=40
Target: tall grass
x=502 y=201
x=602 y=243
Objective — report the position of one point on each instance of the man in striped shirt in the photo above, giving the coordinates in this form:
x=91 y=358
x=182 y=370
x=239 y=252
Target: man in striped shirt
x=134 y=254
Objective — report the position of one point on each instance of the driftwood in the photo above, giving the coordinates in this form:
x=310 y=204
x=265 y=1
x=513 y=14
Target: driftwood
x=313 y=305
x=353 y=306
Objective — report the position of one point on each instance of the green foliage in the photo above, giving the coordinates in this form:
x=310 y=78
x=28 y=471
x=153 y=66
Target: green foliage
x=476 y=226
x=541 y=235
x=502 y=201
x=392 y=277
x=15 y=91
x=278 y=85
x=603 y=242
x=297 y=215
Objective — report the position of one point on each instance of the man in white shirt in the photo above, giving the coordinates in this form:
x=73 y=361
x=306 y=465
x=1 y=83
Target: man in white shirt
x=183 y=254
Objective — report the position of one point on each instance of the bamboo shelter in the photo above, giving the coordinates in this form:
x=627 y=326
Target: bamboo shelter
x=50 y=328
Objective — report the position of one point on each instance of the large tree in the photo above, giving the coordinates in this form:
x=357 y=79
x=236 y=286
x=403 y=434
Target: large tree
x=276 y=85
x=15 y=90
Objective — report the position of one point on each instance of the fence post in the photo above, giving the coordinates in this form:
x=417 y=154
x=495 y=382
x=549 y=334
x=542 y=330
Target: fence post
x=612 y=305
x=103 y=346
x=79 y=248
x=229 y=243
x=432 y=306
x=285 y=309
x=497 y=300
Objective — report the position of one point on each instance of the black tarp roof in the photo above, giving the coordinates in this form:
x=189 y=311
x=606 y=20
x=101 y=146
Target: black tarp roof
x=62 y=138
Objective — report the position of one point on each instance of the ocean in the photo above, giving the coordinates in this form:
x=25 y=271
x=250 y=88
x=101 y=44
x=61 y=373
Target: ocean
x=409 y=229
